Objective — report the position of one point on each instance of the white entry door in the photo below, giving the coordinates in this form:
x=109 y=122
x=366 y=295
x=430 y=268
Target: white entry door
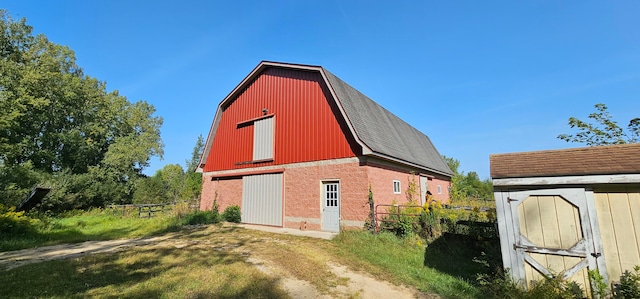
x=331 y=206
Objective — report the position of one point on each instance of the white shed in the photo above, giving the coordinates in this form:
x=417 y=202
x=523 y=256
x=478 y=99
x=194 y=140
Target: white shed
x=563 y=212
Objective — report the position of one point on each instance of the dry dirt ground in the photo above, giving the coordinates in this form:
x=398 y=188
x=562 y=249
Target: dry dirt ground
x=351 y=284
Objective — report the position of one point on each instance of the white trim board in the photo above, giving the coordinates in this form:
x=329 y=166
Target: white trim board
x=569 y=180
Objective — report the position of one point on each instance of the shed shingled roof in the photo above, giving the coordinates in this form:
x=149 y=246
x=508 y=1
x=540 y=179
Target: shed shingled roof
x=385 y=134
x=597 y=160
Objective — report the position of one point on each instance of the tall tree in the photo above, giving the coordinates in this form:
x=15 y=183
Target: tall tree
x=195 y=154
x=467 y=186
x=173 y=177
x=61 y=122
x=604 y=132
x=193 y=180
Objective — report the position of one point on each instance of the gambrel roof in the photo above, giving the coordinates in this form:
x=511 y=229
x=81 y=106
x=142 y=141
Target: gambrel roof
x=379 y=132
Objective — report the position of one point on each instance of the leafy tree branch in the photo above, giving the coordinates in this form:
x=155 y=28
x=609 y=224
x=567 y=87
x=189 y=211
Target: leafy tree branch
x=605 y=131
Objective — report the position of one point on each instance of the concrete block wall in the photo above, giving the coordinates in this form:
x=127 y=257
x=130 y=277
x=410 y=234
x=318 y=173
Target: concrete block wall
x=381 y=180
x=302 y=191
x=303 y=194
x=443 y=196
x=229 y=192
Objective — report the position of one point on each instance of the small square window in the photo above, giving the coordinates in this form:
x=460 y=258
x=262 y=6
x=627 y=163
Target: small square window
x=396 y=187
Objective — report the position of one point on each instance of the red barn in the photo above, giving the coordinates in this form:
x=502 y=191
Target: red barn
x=293 y=145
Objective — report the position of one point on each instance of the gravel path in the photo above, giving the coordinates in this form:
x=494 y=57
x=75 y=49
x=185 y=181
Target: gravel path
x=359 y=285
x=13 y=259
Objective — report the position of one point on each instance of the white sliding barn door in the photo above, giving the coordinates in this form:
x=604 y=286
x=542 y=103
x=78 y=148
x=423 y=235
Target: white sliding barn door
x=262 y=199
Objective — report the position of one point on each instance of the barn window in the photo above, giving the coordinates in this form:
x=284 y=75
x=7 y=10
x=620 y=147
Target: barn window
x=263 y=134
x=439 y=189
x=396 y=187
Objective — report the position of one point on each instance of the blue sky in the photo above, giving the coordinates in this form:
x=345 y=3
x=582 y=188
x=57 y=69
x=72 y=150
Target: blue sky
x=478 y=77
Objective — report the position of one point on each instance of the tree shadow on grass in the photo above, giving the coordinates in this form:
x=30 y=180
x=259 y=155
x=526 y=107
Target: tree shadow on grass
x=463 y=256
x=147 y=272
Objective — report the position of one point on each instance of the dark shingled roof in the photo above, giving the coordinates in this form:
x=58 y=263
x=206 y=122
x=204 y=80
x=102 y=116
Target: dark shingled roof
x=597 y=160
x=385 y=133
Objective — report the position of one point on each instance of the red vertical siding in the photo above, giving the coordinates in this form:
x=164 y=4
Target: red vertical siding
x=308 y=126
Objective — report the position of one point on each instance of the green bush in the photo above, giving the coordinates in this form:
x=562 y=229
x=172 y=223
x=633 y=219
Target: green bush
x=402 y=220
x=201 y=217
x=232 y=214
x=598 y=287
x=502 y=286
x=13 y=223
x=499 y=285
x=400 y=225
x=435 y=220
x=429 y=224
x=16 y=182
x=629 y=286
x=555 y=288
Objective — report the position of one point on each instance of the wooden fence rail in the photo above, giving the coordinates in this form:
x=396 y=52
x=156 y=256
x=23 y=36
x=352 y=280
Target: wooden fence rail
x=143 y=210
x=468 y=208
x=392 y=213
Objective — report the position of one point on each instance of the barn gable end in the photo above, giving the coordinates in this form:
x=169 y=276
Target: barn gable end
x=305 y=122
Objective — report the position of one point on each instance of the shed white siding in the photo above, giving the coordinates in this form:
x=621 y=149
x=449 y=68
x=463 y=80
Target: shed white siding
x=619 y=217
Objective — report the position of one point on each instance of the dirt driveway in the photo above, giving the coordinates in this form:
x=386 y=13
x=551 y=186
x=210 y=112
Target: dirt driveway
x=270 y=252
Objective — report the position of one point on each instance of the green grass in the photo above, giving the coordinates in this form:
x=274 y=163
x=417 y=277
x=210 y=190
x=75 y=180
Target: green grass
x=88 y=226
x=162 y=271
x=214 y=263
x=445 y=267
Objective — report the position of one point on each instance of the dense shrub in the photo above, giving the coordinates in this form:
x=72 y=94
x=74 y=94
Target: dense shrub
x=232 y=214
x=629 y=286
x=502 y=286
x=201 y=217
x=435 y=220
x=599 y=288
x=13 y=223
x=400 y=222
x=432 y=220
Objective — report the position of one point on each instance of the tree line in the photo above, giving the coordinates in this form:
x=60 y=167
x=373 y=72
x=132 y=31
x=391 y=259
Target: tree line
x=467 y=186
x=61 y=128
